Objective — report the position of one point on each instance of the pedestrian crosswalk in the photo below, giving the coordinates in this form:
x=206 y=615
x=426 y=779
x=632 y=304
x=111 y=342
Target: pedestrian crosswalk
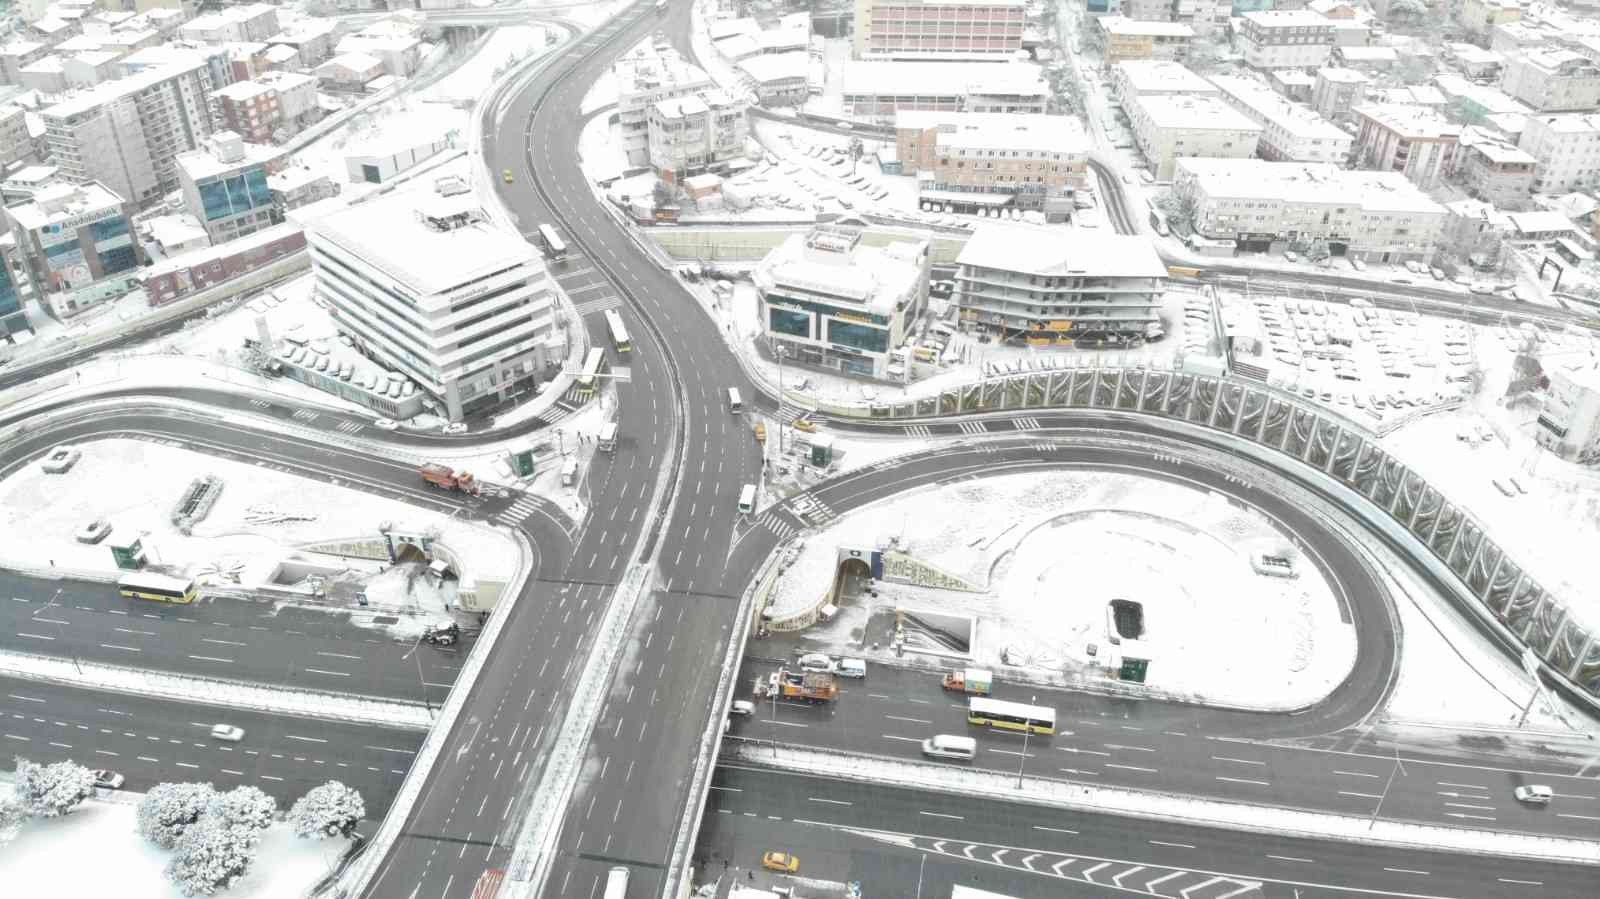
x=519 y=511
x=557 y=412
x=305 y=415
x=812 y=510
x=261 y=404
x=973 y=427
x=919 y=430
x=1026 y=424
x=350 y=427
x=775 y=523
x=601 y=304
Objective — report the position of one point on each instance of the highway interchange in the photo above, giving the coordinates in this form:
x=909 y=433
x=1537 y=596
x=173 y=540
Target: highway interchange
x=627 y=805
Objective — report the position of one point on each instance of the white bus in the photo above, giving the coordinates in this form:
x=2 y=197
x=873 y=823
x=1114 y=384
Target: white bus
x=747 y=499
x=608 y=437
x=157 y=587
x=617 y=878
x=1011 y=715
x=554 y=246
x=593 y=365
x=619 y=332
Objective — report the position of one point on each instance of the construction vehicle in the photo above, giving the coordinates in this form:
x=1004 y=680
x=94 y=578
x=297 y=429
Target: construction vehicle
x=441 y=634
x=806 y=686
x=448 y=478
x=970 y=680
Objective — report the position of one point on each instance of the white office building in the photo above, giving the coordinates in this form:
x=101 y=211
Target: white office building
x=1168 y=127
x=426 y=286
x=1567 y=148
x=1266 y=206
x=1290 y=131
x=1285 y=39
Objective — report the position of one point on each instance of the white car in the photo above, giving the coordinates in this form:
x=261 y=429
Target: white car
x=456 y=427
x=107 y=780
x=1534 y=794
x=227 y=732
x=814 y=661
x=743 y=708
x=386 y=424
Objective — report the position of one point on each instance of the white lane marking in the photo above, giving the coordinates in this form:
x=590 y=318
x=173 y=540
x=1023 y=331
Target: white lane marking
x=1407 y=871
x=942 y=815
x=1173 y=845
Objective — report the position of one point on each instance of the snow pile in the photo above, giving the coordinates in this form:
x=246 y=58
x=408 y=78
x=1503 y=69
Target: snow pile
x=1049 y=553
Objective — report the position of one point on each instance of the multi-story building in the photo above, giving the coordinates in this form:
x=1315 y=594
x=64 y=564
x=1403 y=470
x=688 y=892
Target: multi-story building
x=17 y=55
x=778 y=79
x=1148 y=10
x=1494 y=169
x=72 y=236
x=1474 y=61
x=1416 y=141
x=1125 y=38
x=829 y=300
x=127 y=133
x=1474 y=103
x=1569 y=422
x=645 y=76
x=1336 y=91
x=1054 y=288
x=1262 y=206
x=297 y=98
x=225 y=186
x=1289 y=131
x=249 y=109
x=299 y=186
x=878 y=90
x=1552 y=80
x=993 y=159
x=1479 y=17
x=250 y=22
x=189 y=273
x=699 y=133
x=428 y=287
x=1167 y=128
x=16 y=144
x=1208 y=18
x=1567 y=148
x=938 y=29
x=399 y=53
x=1285 y=39
x=13 y=319
x=312 y=39
x=1155 y=77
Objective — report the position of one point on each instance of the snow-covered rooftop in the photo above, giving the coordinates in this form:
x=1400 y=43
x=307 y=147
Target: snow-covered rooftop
x=769 y=67
x=1293 y=118
x=941 y=79
x=1411 y=121
x=1121 y=25
x=1161 y=76
x=1194 y=111
x=60 y=202
x=996 y=130
x=176 y=64
x=1053 y=251
x=832 y=262
x=1307 y=182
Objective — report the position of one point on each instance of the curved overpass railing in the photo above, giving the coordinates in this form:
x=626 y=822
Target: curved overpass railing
x=1338 y=447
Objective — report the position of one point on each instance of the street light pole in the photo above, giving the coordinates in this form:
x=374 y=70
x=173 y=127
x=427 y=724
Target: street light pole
x=775 y=719
x=1397 y=769
x=61 y=631
x=1027 y=731
x=421 y=682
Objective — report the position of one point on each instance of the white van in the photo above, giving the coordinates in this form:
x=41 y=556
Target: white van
x=735 y=402
x=747 y=499
x=946 y=746
x=617 y=883
x=851 y=668
x=608 y=437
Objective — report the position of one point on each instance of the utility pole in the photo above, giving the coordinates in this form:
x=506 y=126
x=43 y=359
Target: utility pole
x=1027 y=731
x=422 y=683
x=1397 y=769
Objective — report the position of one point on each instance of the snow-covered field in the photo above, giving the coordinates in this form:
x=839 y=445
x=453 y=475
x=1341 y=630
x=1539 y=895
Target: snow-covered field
x=95 y=851
x=1049 y=552
x=261 y=515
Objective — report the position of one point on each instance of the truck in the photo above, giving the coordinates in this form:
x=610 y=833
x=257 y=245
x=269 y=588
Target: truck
x=448 y=478
x=970 y=680
x=806 y=686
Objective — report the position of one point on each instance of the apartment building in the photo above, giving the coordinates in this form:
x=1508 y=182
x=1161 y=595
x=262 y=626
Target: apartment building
x=1569 y=420
x=1055 y=288
x=1495 y=169
x=225 y=186
x=250 y=22
x=994 y=160
x=938 y=29
x=1125 y=38
x=1336 y=91
x=1553 y=80
x=699 y=133
x=1479 y=17
x=71 y=236
x=1168 y=127
x=1474 y=103
x=831 y=301
x=778 y=79
x=428 y=287
x=1135 y=78
x=1263 y=206
x=878 y=90
x=645 y=76
x=127 y=133
x=1567 y=148
x=249 y=109
x=297 y=98
x=1289 y=131
x=1474 y=61
x=1415 y=141
x=16 y=143
x=1284 y=39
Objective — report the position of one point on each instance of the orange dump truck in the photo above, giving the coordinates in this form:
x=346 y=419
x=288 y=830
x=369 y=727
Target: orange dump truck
x=448 y=478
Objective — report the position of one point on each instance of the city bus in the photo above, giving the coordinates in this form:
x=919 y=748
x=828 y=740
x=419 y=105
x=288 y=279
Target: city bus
x=608 y=437
x=593 y=365
x=619 y=331
x=747 y=499
x=157 y=587
x=1010 y=715
x=554 y=246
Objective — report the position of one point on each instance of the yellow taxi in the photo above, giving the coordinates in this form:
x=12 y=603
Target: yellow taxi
x=507 y=175
x=761 y=432
x=780 y=861
x=806 y=423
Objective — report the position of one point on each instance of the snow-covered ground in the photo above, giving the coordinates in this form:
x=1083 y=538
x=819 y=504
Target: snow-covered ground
x=1048 y=552
x=260 y=517
x=95 y=851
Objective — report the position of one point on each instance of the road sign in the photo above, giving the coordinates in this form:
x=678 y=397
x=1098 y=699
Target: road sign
x=130 y=557
x=1133 y=669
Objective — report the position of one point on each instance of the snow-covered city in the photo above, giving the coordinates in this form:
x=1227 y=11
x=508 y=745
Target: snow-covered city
x=740 y=449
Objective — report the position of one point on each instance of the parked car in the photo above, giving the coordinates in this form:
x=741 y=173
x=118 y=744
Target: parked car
x=780 y=861
x=107 y=780
x=94 y=531
x=456 y=427
x=815 y=661
x=227 y=732
x=386 y=424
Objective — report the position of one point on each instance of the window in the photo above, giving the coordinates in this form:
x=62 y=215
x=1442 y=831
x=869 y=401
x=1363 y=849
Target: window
x=788 y=321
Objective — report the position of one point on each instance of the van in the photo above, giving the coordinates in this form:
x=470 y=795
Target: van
x=735 y=401
x=946 y=746
x=617 y=883
x=747 y=499
x=851 y=668
x=608 y=437
x=569 y=472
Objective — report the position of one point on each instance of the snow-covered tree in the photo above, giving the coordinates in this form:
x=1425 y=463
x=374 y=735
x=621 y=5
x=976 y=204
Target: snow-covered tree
x=1407 y=12
x=53 y=789
x=211 y=856
x=331 y=810
x=243 y=807
x=168 y=810
x=13 y=815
